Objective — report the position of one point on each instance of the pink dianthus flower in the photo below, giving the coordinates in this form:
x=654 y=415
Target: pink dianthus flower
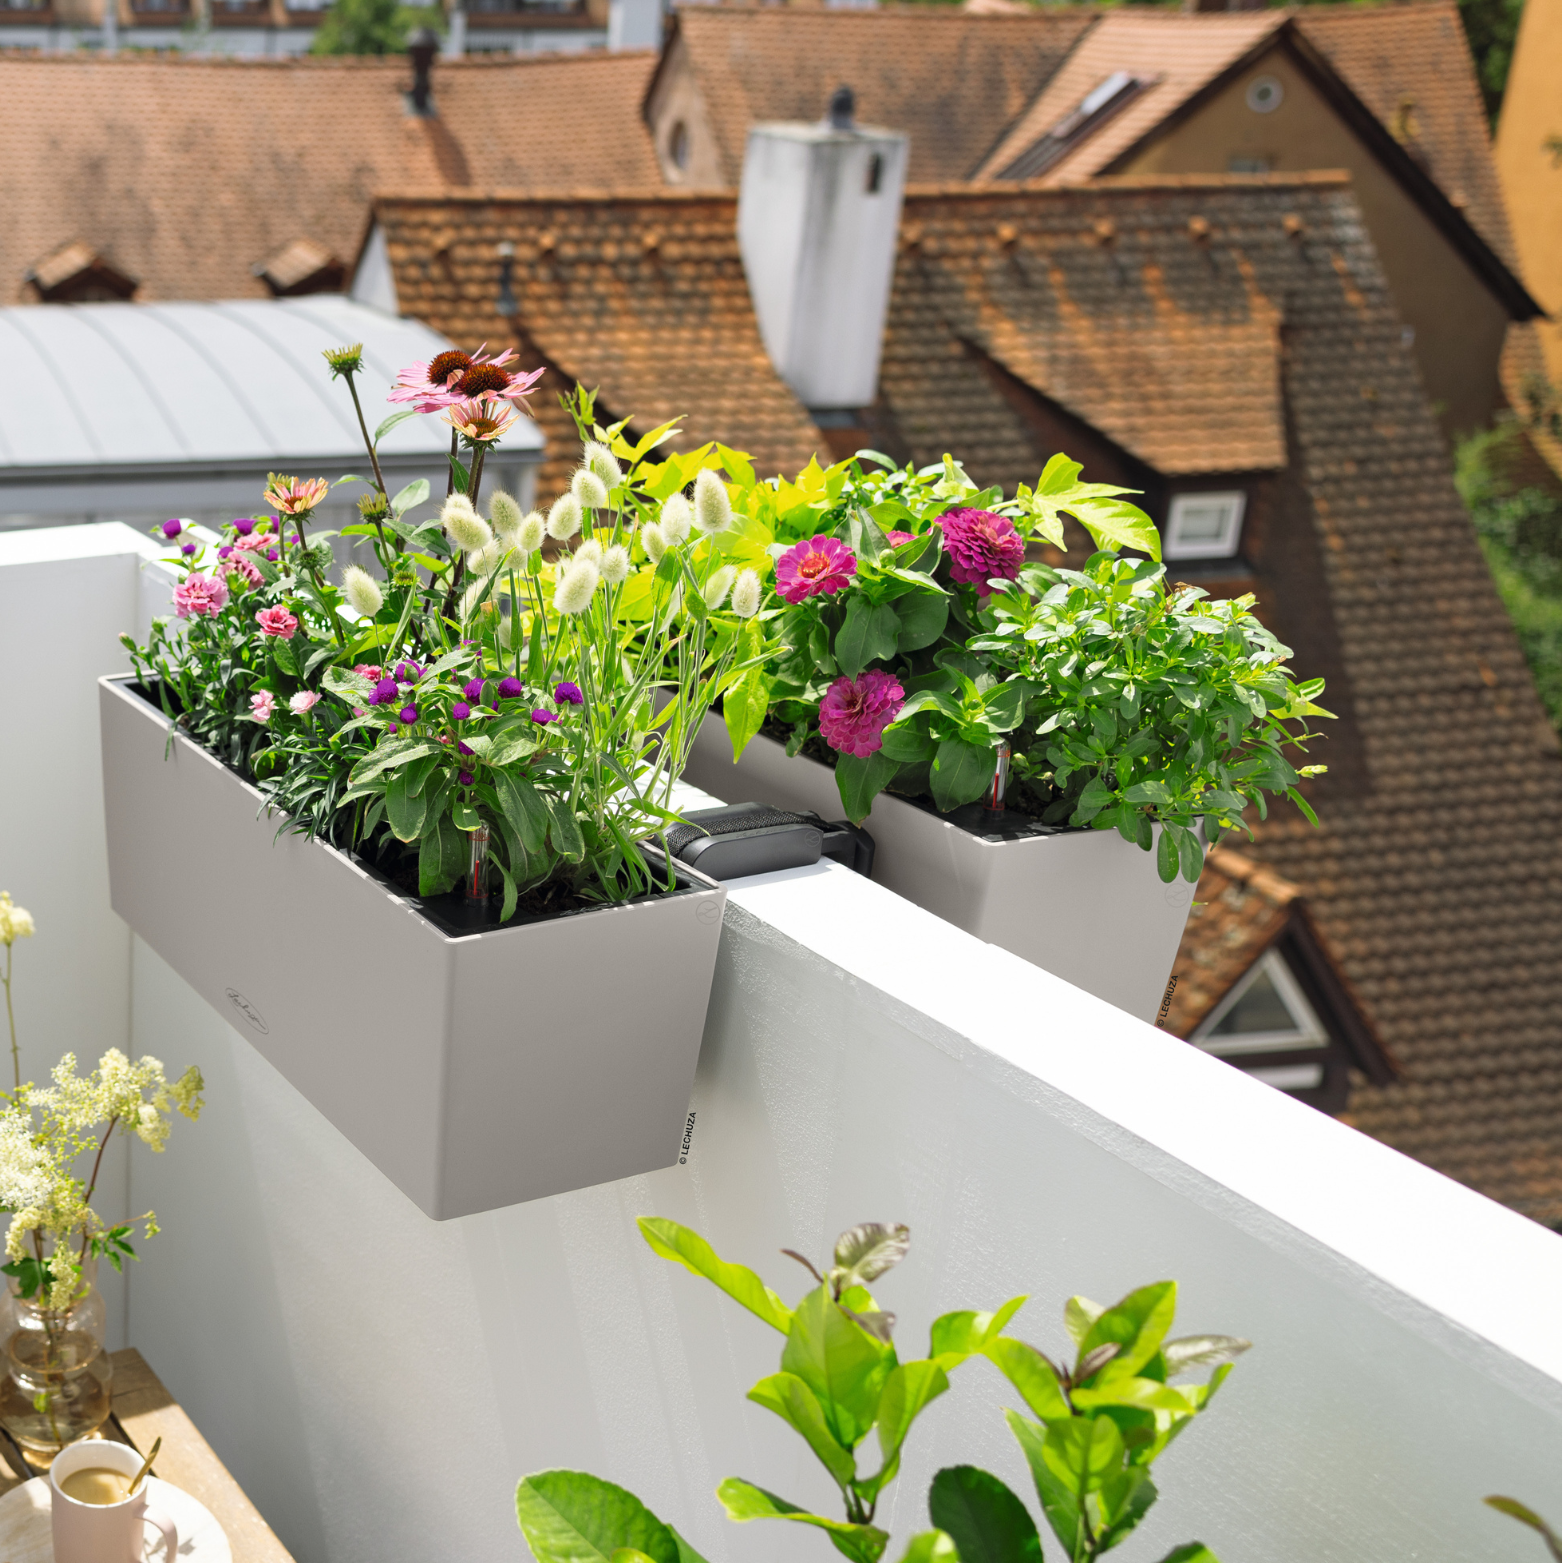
x=823 y=564
x=278 y=622
x=856 y=711
x=256 y=542
x=244 y=567
x=303 y=702
x=200 y=597
x=982 y=547
x=262 y=704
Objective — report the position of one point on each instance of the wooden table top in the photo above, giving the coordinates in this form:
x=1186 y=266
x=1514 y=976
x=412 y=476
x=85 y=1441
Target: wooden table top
x=143 y=1412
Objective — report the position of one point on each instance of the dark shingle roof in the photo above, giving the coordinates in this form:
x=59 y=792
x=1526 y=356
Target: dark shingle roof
x=1433 y=875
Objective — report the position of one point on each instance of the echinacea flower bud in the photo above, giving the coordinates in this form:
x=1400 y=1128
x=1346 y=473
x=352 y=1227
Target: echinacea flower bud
x=716 y=588
x=468 y=530
x=504 y=514
x=529 y=535
x=601 y=460
x=564 y=519
x=746 y=594
x=713 y=509
x=589 y=489
x=676 y=519
x=345 y=360
x=575 y=588
x=590 y=551
x=616 y=565
x=652 y=540
x=362 y=591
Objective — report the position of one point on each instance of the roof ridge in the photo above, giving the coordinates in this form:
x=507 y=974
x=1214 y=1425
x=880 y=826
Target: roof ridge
x=348 y=62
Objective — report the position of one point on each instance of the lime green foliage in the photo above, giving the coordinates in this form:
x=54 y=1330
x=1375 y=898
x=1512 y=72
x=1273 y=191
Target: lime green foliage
x=1517 y=1510
x=570 y=1517
x=370 y=26
x=1518 y=528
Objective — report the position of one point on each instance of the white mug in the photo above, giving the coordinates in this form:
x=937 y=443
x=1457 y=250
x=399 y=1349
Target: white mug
x=103 y=1532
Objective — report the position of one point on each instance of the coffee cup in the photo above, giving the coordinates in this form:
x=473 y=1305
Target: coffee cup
x=96 y=1531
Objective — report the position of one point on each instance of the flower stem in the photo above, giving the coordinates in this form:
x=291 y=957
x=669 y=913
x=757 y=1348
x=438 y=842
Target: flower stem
x=10 y=1015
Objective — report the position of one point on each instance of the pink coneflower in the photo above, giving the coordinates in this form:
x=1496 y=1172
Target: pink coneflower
x=294 y=496
x=982 y=547
x=303 y=702
x=200 y=597
x=432 y=386
x=481 y=420
x=823 y=564
x=486 y=380
x=856 y=711
x=277 y=622
x=262 y=704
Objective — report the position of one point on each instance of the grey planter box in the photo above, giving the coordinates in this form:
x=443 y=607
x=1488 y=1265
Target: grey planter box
x=474 y=1071
x=1086 y=905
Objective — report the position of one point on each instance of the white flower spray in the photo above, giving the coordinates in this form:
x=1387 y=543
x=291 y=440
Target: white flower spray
x=746 y=594
x=564 y=519
x=713 y=509
x=466 y=528
x=602 y=462
x=676 y=519
x=362 y=591
x=589 y=489
x=717 y=587
x=574 y=591
x=616 y=565
x=653 y=541
x=529 y=535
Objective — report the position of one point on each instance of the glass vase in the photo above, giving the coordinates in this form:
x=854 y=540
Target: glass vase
x=56 y=1385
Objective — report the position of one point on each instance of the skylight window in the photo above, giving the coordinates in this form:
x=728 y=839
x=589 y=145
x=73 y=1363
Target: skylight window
x=1099 y=105
x=1204 y=526
x=1265 y=1013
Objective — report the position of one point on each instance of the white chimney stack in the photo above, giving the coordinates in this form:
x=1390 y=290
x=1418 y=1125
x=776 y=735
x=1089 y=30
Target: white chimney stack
x=818 y=214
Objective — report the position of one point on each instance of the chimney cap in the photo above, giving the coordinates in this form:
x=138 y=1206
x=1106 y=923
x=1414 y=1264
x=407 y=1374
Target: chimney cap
x=843 y=105
x=421 y=50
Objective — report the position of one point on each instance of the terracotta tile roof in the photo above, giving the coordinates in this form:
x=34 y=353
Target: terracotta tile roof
x=1411 y=65
x=643 y=297
x=1239 y=908
x=1433 y=876
x=1177 y=53
x=953 y=81
x=186 y=173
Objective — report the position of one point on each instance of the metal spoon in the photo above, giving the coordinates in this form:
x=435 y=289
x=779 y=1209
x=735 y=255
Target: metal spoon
x=145 y=1467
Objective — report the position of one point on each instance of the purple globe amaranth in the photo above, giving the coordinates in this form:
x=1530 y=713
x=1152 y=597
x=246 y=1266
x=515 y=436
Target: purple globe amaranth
x=384 y=692
x=461 y=748
x=509 y=688
x=408 y=714
x=543 y=718
x=189 y=548
x=273 y=555
x=473 y=690
x=408 y=672
x=465 y=778
x=225 y=550
x=570 y=692
x=243 y=525
x=982 y=547
x=172 y=528
x=460 y=711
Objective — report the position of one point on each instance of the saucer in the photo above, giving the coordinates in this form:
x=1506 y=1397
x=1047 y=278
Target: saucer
x=25 y=1535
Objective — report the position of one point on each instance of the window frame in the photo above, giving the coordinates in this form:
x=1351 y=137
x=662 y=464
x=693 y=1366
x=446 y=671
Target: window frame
x=1232 y=534
x=1309 y=1035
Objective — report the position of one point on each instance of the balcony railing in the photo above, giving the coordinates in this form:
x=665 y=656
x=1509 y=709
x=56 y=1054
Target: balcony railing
x=240 y=13
x=25 y=15
x=533 y=13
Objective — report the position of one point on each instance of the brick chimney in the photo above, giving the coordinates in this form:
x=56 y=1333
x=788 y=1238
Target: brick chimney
x=818 y=212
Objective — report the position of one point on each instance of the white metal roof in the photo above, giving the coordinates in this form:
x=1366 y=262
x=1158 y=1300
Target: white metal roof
x=129 y=389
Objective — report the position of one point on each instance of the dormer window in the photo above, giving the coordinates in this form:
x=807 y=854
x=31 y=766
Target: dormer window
x=1104 y=100
x=76 y=273
x=301 y=267
x=1267 y=1012
x=1204 y=526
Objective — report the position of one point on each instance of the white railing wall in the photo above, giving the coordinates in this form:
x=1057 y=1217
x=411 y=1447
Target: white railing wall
x=378 y=1381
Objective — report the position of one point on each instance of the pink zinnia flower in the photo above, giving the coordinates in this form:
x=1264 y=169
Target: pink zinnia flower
x=303 y=702
x=856 y=711
x=245 y=568
x=482 y=419
x=200 y=597
x=295 y=496
x=262 y=704
x=278 y=622
x=982 y=547
x=823 y=564
x=897 y=538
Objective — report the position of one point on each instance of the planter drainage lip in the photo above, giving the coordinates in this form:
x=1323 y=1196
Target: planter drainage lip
x=475 y=1067
x=447 y=915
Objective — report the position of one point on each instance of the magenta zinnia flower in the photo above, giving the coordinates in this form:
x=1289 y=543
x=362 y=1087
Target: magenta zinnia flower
x=200 y=597
x=982 y=547
x=823 y=564
x=856 y=711
x=277 y=622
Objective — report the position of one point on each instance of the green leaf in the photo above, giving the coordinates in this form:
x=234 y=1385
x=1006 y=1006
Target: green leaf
x=573 y=1517
x=672 y=1241
x=1191 y=1552
x=860 y=779
x=931 y=1546
x=909 y=1390
x=1125 y=1501
x=865 y=1252
x=907 y=745
x=795 y=1403
x=1112 y=522
x=458 y=474
x=744 y=707
x=868 y=634
x=415 y=493
x=959 y=1335
x=737 y=465
x=922 y=616
x=1031 y=1373
x=842 y=1363
x=282 y=655
x=1189 y=1352
x=1167 y=856
x=1518 y=1511
x=1080 y=1313
x=389 y=423
x=389 y=752
x=686 y=1553
x=961 y=773
x=566 y=831
x=1191 y=856
x=985 y=1520
x=1083 y=1452
x=1137 y=1326
x=1060 y=1506
x=744 y=1501
x=404 y=808
x=523 y=806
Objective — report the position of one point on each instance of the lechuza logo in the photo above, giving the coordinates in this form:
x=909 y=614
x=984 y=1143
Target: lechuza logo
x=247 y=1010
